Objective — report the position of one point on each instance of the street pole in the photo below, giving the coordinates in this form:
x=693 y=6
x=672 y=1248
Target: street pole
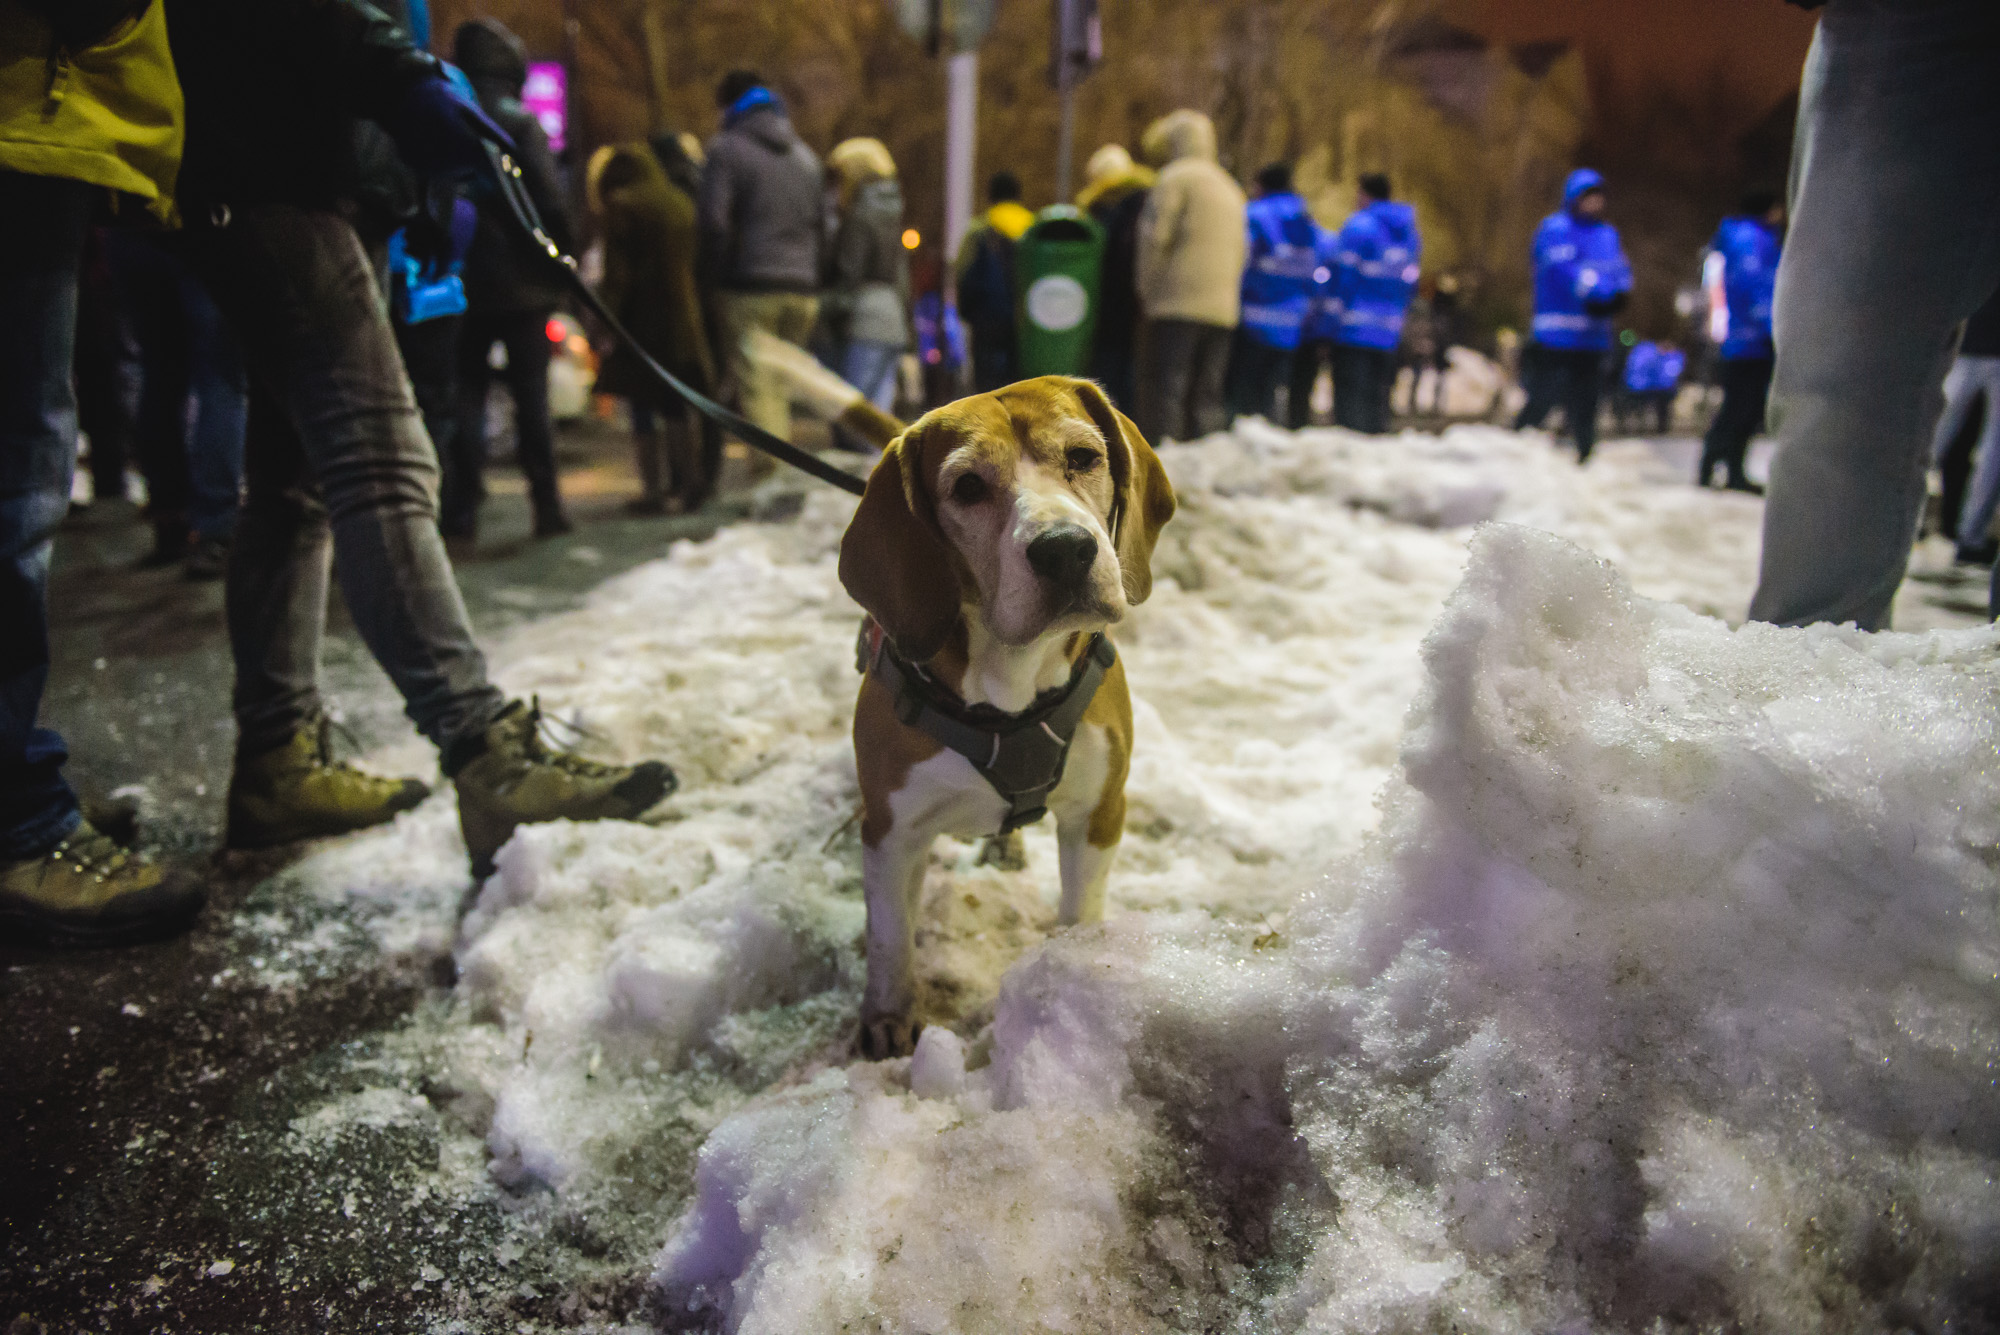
x=1066 y=141
x=961 y=119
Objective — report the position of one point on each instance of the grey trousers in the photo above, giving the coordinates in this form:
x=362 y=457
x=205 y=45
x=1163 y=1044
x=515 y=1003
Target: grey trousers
x=1183 y=364
x=1895 y=239
x=339 y=471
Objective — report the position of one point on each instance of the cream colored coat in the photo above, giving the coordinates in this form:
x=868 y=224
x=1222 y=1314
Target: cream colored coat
x=1192 y=243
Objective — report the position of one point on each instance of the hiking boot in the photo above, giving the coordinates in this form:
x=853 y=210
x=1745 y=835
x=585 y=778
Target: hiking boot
x=89 y=891
x=297 y=791
x=510 y=776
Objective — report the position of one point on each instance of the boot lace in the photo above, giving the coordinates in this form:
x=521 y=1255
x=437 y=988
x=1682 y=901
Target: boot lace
x=93 y=853
x=550 y=740
x=328 y=726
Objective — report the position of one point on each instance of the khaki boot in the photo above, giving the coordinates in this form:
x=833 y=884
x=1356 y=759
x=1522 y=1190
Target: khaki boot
x=89 y=891
x=296 y=791
x=509 y=776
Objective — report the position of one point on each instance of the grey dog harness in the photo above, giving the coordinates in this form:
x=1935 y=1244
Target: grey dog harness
x=1021 y=755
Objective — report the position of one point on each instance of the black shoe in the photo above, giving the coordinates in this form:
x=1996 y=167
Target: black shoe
x=1743 y=484
x=207 y=560
x=552 y=524
x=171 y=541
x=1980 y=554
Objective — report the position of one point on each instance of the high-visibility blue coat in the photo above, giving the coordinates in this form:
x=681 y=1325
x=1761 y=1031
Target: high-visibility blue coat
x=1285 y=244
x=1580 y=269
x=1749 y=252
x=1369 y=274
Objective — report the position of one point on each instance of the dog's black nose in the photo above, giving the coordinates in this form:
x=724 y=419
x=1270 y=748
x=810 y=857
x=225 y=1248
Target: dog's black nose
x=1063 y=553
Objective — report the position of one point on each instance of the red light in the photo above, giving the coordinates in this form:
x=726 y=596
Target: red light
x=554 y=329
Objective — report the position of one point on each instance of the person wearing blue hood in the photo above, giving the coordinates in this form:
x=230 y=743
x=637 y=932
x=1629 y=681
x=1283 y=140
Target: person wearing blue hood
x=1370 y=277
x=762 y=218
x=1284 y=246
x=1745 y=250
x=1581 y=280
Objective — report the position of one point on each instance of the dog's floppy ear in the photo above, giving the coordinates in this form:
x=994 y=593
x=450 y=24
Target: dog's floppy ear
x=893 y=559
x=1144 y=499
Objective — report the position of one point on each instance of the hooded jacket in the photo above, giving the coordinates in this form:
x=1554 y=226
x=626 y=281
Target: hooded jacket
x=869 y=281
x=762 y=204
x=1371 y=268
x=1115 y=200
x=119 y=120
x=649 y=283
x=1749 y=252
x=1581 y=275
x=503 y=270
x=1192 y=243
x=1285 y=246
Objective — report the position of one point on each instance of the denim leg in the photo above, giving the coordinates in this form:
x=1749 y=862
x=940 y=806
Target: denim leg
x=221 y=412
x=149 y=292
x=1982 y=496
x=298 y=287
x=1211 y=367
x=430 y=355
x=41 y=248
x=1163 y=394
x=525 y=336
x=465 y=462
x=871 y=368
x=1895 y=238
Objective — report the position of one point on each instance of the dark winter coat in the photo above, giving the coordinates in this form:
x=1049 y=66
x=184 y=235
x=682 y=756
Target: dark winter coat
x=649 y=282
x=273 y=89
x=762 y=206
x=1116 y=209
x=868 y=286
x=503 y=270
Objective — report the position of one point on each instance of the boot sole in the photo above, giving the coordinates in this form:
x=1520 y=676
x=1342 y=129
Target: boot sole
x=27 y=927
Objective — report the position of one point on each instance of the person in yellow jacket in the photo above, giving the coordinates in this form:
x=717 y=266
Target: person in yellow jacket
x=90 y=111
x=1192 y=246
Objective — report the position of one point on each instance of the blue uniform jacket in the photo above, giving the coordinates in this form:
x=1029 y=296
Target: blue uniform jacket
x=1749 y=253
x=1278 y=279
x=1578 y=264
x=1370 y=269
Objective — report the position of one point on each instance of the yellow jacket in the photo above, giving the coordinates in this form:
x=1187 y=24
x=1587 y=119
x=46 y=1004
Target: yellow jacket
x=109 y=115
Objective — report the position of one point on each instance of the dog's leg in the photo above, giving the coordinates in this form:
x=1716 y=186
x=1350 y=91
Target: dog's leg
x=892 y=876
x=1085 y=868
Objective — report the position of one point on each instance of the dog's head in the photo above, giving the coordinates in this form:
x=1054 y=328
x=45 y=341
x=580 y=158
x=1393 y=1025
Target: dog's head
x=1037 y=505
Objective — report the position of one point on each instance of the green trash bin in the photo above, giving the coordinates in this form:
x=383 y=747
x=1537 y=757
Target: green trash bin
x=1056 y=263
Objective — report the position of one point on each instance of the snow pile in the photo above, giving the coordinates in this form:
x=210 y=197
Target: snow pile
x=1669 y=990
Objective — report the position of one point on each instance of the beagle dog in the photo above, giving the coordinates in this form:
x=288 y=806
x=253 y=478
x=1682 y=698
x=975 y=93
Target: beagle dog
x=997 y=539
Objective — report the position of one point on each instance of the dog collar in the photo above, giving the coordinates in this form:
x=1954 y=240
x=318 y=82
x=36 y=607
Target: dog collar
x=1021 y=755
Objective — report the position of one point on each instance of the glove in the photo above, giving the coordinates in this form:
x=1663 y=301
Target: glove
x=441 y=130
x=440 y=235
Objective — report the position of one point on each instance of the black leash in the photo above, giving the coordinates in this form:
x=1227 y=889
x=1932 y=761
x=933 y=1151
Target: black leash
x=514 y=190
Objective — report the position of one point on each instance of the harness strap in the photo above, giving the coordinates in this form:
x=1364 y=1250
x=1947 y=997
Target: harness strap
x=1021 y=755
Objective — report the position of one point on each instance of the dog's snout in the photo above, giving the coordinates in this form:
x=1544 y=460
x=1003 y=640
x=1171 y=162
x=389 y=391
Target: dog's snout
x=1063 y=553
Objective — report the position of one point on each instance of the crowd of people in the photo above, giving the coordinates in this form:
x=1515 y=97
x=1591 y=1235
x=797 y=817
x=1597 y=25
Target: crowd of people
x=251 y=246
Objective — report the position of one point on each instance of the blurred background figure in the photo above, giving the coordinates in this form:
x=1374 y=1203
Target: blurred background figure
x=866 y=306
x=1372 y=272
x=1581 y=280
x=1895 y=193
x=1973 y=386
x=188 y=429
x=986 y=282
x=1740 y=275
x=647 y=218
x=1647 y=384
x=1284 y=250
x=1190 y=273
x=1114 y=195
x=510 y=292
x=763 y=225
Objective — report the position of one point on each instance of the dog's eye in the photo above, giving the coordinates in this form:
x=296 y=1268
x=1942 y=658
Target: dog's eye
x=970 y=489
x=1082 y=459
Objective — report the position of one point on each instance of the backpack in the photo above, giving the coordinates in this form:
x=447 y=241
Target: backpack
x=986 y=284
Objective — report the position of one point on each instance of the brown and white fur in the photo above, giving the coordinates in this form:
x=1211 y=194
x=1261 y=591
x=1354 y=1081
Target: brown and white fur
x=984 y=549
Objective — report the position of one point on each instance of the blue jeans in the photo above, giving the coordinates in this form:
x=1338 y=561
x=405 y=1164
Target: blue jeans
x=1895 y=239
x=41 y=247
x=1971 y=379
x=871 y=368
x=339 y=471
x=192 y=400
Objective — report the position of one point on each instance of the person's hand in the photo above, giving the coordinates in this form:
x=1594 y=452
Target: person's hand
x=440 y=237
x=441 y=130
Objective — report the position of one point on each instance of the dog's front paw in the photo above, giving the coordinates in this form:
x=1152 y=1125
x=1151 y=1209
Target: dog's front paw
x=887 y=1036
